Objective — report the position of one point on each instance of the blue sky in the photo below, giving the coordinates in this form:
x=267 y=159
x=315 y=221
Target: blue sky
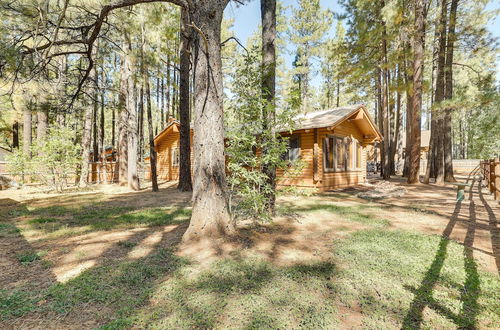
x=247 y=19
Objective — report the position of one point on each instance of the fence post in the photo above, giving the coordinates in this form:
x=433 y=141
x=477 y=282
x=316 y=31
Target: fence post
x=492 y=176
x=496 y=164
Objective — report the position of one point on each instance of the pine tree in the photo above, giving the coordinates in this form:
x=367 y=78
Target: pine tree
x=309 y=26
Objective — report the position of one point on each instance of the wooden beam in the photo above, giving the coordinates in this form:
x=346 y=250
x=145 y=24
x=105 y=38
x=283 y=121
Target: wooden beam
x=316 y=176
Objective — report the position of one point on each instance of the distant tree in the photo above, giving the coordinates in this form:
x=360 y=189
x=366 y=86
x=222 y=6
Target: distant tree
x=413 y=146
x=184 y=105
x=308 y=27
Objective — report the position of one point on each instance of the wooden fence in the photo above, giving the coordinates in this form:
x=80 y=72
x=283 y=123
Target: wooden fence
x=107 y=172
x=491 y=170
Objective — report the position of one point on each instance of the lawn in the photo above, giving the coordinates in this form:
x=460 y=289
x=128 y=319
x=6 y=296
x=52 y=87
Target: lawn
x=114 y=261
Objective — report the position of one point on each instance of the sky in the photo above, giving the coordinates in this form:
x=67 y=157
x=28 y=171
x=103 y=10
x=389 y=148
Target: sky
x=247 y=20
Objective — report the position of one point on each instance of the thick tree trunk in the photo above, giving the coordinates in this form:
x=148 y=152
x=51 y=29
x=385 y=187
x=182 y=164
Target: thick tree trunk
x=140 y=123
x=418 y=67
x=152 y=151
x=123 y=124
x=167 y=93
x=162 y=98
x=102 y=120
x=380 y=118
x=268 y=14
x=210 y=215
x=397 y=127
x=409 y=103
x=386 y=153
x=15 y=135
x=185 y=148
x=42 y=123
x=86 y=144
x=95 y=142
x=130 y=104
x=448 y=151
x=439 y=96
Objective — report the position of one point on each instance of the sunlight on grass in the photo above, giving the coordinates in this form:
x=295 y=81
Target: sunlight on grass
x=56 y=222
x=350 y=213
x=248 y=293
x=386 y=274
x=385 y=270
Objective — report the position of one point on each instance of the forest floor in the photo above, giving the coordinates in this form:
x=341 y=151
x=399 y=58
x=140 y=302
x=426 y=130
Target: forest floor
x=108 y=258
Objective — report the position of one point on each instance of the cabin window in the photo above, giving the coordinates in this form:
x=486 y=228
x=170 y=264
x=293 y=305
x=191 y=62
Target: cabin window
x=355 y=155
x=292 y=153
x=337 y=153
x=175 y=157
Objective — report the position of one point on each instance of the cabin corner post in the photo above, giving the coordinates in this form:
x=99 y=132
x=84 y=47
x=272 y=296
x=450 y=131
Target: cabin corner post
x=316 y=176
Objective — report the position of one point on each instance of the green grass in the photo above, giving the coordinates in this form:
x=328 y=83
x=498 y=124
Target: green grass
x=62 y=221
x=27 y=257
x=397 y=279
x=395 y=275
x=392 y=276
x=15 y=303
x=8 y=230
x=351 y=213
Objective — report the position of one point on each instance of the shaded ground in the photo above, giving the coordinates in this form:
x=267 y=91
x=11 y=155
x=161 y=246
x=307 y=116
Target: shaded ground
x=111 y=258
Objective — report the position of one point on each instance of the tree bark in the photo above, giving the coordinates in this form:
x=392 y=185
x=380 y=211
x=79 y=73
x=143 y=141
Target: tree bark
x=380 y=118
x=448 y=146
x=397 y=126
x=15 y=135
x=418 y=68
x=42 y=123
x=140 y=123
x=210 y=215
x=152 y=151
x=386 y=154
x=132 y=175
x=95 y=136
x=409 y=103
x=123 y=124
x=167 y=93
x=86 y=144
x=268 y=16
x=185 y=129
x=439 y=96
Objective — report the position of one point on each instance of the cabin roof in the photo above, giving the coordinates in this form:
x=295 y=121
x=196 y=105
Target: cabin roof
x=324 y=118
x=331 y=118
x=164 y=131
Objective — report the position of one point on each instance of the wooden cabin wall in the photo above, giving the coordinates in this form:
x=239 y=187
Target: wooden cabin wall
x=332 y=180
x=326 y=180
x=164 y=168
x=305 y=179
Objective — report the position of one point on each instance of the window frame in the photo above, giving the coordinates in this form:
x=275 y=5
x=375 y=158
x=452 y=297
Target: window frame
x=175 y=160
x=327 y=151
x=350 y=148
x=286 y=155
x=353 y=155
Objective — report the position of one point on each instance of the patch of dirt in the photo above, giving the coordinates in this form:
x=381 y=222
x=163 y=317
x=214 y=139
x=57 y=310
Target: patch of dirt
x=381 y=189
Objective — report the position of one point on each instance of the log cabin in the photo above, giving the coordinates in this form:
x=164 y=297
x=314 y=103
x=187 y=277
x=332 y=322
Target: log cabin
x=331 y=145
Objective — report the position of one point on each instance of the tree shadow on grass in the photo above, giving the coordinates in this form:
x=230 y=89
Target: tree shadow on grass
x=493 y=229
x=244 y=293
x=113 y=288
x=467 y=317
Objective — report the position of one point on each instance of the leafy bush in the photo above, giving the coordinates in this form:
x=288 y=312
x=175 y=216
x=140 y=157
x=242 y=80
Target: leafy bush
x=55 y=158
x=18 y=164
x=247 y=136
